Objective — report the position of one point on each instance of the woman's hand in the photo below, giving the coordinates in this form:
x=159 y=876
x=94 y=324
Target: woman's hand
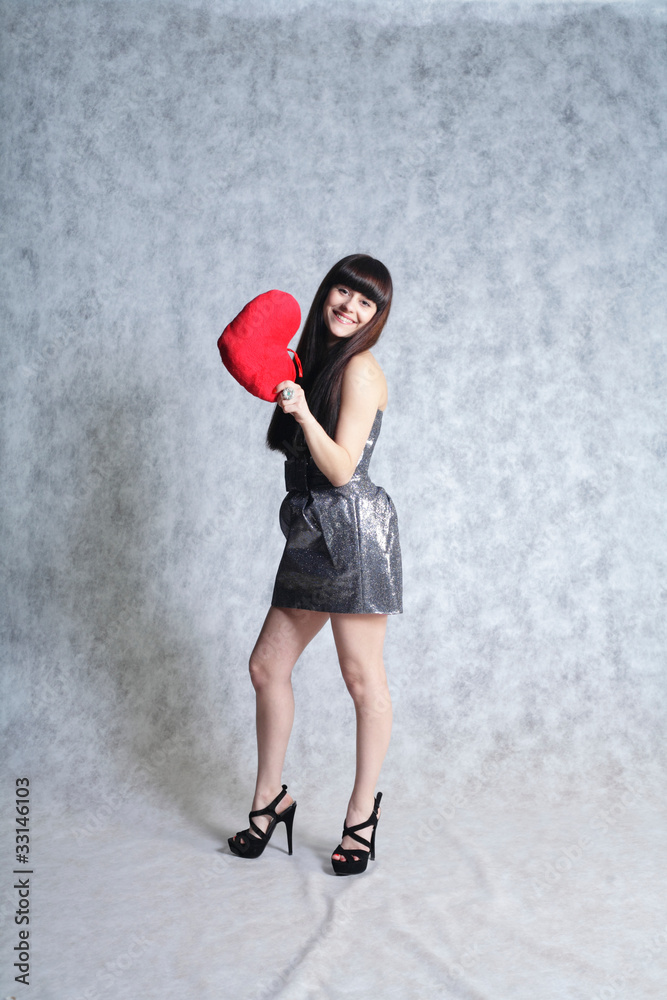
x=297 y=405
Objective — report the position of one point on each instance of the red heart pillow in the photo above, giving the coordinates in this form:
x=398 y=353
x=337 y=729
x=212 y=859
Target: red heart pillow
x=254 y=347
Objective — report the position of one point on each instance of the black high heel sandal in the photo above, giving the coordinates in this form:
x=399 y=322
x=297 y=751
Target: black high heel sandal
x=349 y=866
x=245 y=845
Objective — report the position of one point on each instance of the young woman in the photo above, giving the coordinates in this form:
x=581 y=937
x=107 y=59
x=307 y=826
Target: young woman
x=342 y=559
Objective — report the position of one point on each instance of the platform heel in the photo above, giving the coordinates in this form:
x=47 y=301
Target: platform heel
x=247 y=844
x=348 y=866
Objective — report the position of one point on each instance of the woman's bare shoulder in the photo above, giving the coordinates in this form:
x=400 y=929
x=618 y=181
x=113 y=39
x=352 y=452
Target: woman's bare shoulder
x=364 y=372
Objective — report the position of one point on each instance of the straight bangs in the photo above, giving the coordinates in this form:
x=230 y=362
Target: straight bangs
x=365 y=275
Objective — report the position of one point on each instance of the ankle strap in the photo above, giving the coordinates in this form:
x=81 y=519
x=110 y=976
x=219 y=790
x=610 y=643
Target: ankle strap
x=351 y=831
x=272 y=805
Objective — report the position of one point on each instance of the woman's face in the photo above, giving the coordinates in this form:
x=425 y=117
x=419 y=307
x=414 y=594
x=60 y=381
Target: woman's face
x=345 y=312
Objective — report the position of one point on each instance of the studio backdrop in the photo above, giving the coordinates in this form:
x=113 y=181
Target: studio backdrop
x=164 y=163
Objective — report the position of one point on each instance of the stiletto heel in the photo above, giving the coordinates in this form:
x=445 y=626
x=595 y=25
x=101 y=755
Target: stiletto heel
x=348 y=866
x=246 y=845
x=289 y=822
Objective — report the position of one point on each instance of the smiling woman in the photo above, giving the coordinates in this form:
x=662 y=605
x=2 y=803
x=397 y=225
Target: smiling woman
x=345 y=311
x=342 y=558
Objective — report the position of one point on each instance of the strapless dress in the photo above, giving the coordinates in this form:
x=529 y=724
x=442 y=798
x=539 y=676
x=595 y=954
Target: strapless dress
x=342 y=551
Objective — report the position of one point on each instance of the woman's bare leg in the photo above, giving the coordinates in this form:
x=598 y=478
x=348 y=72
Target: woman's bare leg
x=284 y=635
x=359 y=642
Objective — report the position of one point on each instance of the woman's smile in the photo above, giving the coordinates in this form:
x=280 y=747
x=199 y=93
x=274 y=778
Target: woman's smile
x=346 y=311
x=342 y=318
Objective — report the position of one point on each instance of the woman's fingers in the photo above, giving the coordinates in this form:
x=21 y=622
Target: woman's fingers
x=296 y=403
x=284 y=385
x=289 y=394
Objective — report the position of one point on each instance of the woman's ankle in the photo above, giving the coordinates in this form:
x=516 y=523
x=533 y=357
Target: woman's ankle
x=265 y=794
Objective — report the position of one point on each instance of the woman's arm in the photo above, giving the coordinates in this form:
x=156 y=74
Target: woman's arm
x=362 y=392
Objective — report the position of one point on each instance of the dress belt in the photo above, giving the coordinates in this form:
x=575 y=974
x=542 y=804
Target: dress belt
x=302 y=474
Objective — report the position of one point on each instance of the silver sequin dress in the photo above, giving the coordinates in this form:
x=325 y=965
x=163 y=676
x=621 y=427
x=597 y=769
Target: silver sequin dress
x=342 y=552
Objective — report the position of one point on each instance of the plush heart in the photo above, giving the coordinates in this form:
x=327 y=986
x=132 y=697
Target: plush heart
x=253 y=347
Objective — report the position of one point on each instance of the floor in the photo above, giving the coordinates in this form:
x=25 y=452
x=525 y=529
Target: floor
x=498 y=896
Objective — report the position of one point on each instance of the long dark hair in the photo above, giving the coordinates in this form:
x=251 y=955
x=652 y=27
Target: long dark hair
x=323 y=366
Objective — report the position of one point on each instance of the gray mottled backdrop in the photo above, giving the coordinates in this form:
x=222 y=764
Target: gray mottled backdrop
x=165 y=162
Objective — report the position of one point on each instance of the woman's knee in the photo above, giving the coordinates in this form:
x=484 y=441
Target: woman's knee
x=260 y=672
x=265 y=669
x=367 y=684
